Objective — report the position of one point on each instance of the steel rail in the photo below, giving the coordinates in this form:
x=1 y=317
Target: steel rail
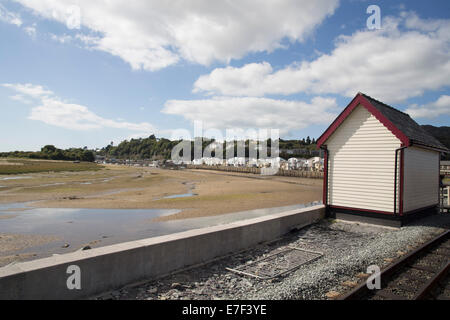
x=362 y=290
x=425 y=290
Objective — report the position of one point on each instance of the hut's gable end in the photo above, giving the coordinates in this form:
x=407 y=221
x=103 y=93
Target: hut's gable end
x=420 y=189
x=361 y=164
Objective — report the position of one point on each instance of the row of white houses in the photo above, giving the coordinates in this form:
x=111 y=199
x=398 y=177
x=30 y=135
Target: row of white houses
x=314 y=163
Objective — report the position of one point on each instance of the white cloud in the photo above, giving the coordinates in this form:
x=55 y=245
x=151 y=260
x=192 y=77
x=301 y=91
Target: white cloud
x=404 y=59
x=154 y=34
x=251 y=112
x=31 y=30
x=89 y=41
x=28 y=89
x=53 y=111
x=9 y=17
x=78 y=117
x=20 y=98
x=64 y=38
x=235 y=81
x=440 y=107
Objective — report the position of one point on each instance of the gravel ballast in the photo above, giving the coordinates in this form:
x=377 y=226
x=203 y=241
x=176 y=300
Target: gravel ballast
x=348 y=249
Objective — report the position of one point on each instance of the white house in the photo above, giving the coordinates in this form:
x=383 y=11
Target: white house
x=252 y=162
x=211 y=161
x=293 y=163
x=198 y=161
x=314 y=163
x=276 y=162
x=236 y=161
x=379 y=163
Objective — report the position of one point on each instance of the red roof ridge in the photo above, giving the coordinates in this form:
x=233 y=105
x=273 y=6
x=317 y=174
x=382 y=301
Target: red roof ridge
x=384 y=104
x=361 y=99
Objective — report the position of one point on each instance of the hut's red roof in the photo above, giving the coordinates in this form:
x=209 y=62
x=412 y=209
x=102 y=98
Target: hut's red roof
x=399 y=123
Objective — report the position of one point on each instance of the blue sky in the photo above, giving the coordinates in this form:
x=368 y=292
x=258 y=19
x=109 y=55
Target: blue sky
x=84 y=73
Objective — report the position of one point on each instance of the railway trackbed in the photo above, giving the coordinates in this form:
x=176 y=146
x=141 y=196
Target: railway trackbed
x=422 y=274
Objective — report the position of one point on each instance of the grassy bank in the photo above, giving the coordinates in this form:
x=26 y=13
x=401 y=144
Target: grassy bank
x=18 y=166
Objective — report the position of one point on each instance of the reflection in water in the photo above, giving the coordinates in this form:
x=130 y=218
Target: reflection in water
x=183 y=195
x=99 y=227
x=16 y=178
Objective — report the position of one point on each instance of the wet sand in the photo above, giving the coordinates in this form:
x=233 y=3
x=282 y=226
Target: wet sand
x=11 y=243
x=118 y=187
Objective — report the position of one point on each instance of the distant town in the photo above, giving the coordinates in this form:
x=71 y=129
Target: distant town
x=302 y=164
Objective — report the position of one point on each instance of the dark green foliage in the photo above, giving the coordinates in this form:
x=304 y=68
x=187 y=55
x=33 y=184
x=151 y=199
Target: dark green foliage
x=50 y=152
x=148 y=148
x=442 y=134
x=161 y=148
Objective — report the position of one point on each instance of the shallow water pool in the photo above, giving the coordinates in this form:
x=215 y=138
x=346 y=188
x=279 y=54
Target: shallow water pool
x=99 y=227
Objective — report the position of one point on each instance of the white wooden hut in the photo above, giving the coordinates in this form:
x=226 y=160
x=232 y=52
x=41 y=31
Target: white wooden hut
x=380 y=165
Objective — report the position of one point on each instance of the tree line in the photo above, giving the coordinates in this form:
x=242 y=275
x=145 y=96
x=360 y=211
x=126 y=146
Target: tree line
x=160 y=148
x=442 y=134
x=50 y=152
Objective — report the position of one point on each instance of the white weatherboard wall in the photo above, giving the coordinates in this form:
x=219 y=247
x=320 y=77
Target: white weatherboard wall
x=361 y=163
x=421 y=174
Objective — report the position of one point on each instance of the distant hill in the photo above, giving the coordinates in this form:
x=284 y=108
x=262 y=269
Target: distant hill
x=440 y=133
x=160 y=148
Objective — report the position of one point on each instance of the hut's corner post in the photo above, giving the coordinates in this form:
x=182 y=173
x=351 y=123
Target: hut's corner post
x=402 y=182
x=325 y=181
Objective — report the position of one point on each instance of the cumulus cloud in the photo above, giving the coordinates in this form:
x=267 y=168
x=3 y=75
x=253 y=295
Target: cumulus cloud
x=64 y=38
x=244 y=81
x=440 y=107
x=54 y=111
x=405 y=58
x=20 y=98
x=252 y=112
x=28 y=89
x=9 y=17
x=154 y=34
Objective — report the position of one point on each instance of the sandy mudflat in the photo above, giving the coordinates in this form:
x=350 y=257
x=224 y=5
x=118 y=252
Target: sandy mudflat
x=7 y=216
x=5 y=260
x=11 y=243
x=139 y=188
x=132 y=188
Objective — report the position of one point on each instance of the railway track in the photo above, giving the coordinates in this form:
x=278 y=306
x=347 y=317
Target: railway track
x=423 y=274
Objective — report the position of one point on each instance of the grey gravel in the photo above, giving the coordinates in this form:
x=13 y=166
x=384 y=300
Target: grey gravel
x=348 y=248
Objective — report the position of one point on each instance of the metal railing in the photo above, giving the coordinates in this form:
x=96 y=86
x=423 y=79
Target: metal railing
x=444 y=199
